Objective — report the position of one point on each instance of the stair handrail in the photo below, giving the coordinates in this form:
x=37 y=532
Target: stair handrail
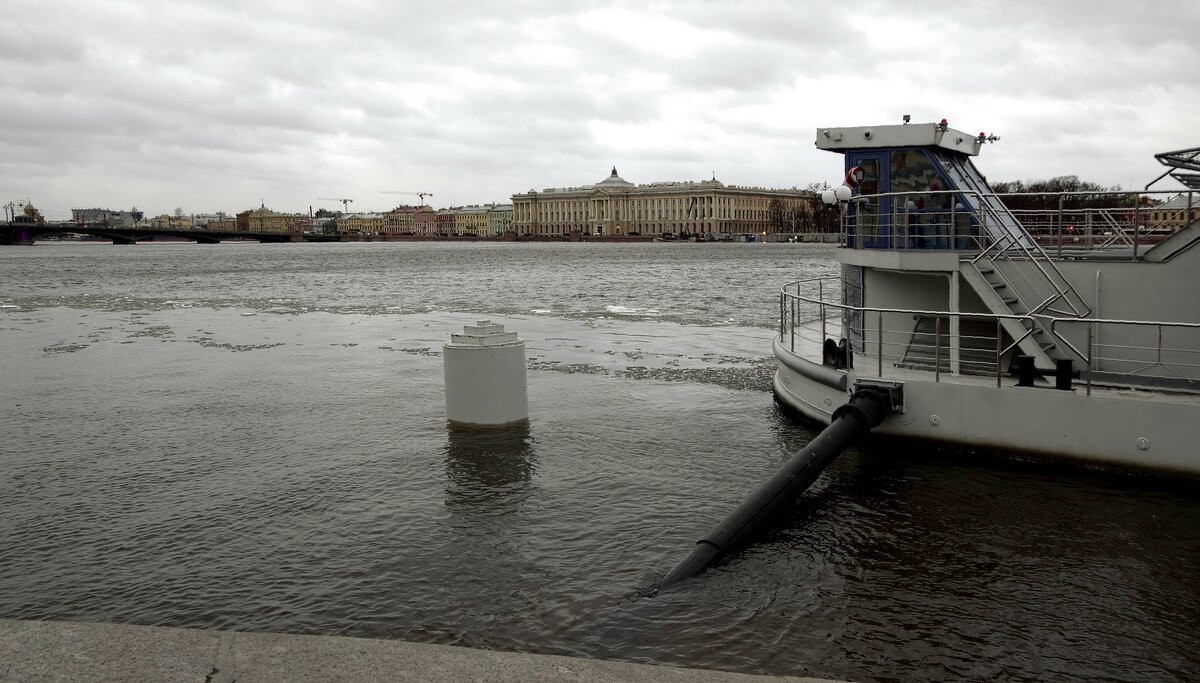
x=1037 y=255
x=1015 y=239
x=1118 y=233
x=1006 y=279
x=1037 y=311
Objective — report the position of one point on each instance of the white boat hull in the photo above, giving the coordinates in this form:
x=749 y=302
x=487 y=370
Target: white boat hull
x=1122 y=428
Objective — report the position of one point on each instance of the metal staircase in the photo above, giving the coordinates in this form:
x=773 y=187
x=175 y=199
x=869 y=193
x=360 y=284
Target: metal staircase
x=993 y=289
x=1012 y=274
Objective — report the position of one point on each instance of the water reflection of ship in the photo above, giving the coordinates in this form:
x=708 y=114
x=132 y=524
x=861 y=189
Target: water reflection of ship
x=488 y=467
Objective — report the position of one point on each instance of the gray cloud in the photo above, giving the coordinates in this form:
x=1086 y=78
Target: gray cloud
x=221 y=104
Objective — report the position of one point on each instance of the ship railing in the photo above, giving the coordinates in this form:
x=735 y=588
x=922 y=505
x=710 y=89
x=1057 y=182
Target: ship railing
x=890 y=343
x=975 y=224
x=1039 y=289
x=1135 y=353
x=1033 y=227
x=888 y=340
x=912 y=221
x=1089 y=232
x=1107 y=224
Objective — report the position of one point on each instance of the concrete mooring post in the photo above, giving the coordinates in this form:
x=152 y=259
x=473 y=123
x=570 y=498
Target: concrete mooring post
x=485 y=376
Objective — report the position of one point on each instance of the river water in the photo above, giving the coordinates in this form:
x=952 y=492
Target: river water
x=253 y=437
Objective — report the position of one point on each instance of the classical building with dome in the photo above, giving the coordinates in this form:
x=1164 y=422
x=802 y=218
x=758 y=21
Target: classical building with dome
x=614 y=206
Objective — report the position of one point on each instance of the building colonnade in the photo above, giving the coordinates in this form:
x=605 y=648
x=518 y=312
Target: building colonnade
x=615 y=206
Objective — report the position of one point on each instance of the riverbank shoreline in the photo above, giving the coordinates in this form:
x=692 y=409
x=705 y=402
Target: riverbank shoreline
x=66 y=652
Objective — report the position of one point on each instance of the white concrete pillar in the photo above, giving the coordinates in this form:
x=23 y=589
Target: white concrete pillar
x=485 y=376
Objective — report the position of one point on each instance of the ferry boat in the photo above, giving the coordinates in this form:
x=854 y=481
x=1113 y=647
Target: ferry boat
x=1048 y=326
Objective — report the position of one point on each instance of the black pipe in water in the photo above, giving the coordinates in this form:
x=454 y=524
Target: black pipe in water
x=865 y=410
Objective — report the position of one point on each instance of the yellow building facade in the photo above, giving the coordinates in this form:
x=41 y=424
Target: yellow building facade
x=362 y=224
x=472 y=220
x=1176 y=213
x=615 y=206
x=263 y=219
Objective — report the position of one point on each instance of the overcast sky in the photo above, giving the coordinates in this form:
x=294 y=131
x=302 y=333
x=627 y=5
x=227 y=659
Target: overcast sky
x=223 y=104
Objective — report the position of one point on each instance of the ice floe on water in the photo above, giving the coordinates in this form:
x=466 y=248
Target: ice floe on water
x=631 y=310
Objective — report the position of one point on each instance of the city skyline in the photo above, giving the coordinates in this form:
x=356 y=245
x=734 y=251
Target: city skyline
x=216 y=106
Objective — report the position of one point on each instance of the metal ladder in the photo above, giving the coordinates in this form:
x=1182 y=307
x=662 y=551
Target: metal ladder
x=1012 y=273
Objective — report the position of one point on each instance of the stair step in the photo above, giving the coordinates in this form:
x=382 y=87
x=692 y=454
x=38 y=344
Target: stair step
x=977 y=346
x=1009 y=300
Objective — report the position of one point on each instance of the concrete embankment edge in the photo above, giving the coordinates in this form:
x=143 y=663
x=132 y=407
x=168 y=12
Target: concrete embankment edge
x=66 y=652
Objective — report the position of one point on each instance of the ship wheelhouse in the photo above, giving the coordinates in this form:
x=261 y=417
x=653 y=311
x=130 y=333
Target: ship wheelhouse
x=916 y=214
x=915 y=187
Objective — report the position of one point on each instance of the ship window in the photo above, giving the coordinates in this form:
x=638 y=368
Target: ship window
x=913 y=172
x=870 y=181
x=867 y=212
x=924 y=218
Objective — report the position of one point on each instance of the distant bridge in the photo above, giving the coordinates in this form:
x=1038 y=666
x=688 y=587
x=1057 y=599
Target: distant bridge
x=27 y=233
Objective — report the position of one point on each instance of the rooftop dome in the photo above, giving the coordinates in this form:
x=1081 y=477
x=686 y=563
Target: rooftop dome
x=614 y=180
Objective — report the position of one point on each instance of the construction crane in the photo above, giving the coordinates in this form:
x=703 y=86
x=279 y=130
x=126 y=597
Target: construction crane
x=345 y=202
x=422 y=195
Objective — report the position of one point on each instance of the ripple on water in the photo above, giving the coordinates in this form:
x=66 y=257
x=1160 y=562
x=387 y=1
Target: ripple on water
x=310 y=484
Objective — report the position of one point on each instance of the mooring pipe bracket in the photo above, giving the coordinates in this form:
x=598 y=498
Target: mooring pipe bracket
x=893 y=390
